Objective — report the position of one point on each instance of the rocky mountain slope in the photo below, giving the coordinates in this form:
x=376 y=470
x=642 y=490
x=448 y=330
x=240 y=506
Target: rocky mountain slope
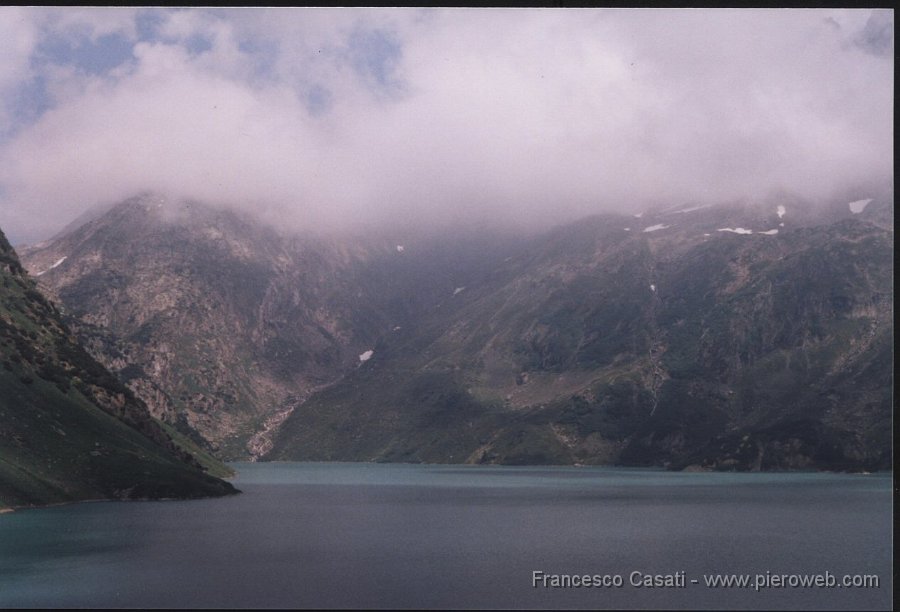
x=221 y=324
x=684 y=340
x=69 y=429
x=732 y=337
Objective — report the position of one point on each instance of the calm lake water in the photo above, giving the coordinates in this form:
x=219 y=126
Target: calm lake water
x=412 y=536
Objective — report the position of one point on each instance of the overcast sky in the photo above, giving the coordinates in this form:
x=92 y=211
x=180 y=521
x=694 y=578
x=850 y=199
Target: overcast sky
x=329 y=117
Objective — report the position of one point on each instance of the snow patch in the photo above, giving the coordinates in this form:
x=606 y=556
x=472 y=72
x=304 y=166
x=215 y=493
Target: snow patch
x=396 y=328
x=639 y=215
x=366 y=356
x=781 y=225
x=771 y=232
x=735 y=230
x=858 y=206
x=400 y=248
x=653 y=228
x=627 y=229
x=458 y=289
x=781 y=210
x=690 y=209
x=58 y=261
x=652 y=287
x=706 y=234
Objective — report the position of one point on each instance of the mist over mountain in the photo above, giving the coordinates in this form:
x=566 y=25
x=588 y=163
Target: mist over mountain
x=752 y=336
x=346 y=119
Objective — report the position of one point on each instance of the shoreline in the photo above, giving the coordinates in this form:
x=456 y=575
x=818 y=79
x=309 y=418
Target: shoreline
x=657 y=468
x=660 y=469
x=11 y=509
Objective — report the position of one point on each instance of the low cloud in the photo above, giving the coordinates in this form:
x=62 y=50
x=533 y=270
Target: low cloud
x=331 y=118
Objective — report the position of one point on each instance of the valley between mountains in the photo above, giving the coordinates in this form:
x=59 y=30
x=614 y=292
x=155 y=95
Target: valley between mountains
x=728 y=337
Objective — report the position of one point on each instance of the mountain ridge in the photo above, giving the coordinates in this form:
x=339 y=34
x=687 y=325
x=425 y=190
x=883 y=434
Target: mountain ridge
x=638 y=339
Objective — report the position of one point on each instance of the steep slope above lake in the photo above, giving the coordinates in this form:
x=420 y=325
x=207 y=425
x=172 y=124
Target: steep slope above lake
x=718 y=337
x=680 y=346
x=69 y=430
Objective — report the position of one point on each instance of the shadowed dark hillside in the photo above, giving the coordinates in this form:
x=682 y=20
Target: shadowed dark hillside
x=70 y=429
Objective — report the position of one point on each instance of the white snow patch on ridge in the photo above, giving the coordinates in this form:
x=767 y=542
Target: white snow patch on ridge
x=781 y=210
x=399 y=248
x=735 y=230
x=652 y=287
x=771 y=232
x=457 y=290
x=690 y=209
x=653 y=228
x=58 y=261
x=366 y=356
x=858 y=206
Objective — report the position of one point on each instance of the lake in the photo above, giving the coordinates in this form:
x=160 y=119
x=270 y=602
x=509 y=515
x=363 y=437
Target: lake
x=425 y=536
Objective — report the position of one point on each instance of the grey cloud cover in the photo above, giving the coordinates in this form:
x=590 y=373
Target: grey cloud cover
x=326 y=118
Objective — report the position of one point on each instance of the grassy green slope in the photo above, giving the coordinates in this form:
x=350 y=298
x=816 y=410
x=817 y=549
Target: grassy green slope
x=68 y=429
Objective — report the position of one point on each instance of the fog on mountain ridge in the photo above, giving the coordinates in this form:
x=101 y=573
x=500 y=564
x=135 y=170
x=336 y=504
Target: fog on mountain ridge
x=350 y=118
x=179 y=210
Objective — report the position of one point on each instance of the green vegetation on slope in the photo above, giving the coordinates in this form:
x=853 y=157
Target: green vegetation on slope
x=69 y=430
x=674 y=349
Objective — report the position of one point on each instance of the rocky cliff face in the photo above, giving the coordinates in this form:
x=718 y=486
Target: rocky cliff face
x=68 y=428
x=717 y=337
x=217 y=322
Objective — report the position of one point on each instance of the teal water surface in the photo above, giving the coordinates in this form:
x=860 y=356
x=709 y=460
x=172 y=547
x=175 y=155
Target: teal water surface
x=424 y=536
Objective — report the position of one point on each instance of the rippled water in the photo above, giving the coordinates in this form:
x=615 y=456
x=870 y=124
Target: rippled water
x=413 y=536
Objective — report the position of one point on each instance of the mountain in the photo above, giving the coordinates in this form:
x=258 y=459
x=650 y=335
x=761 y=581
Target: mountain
x=673 y=343
x=725 y=337
x=217 y=321
x=69 y=430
